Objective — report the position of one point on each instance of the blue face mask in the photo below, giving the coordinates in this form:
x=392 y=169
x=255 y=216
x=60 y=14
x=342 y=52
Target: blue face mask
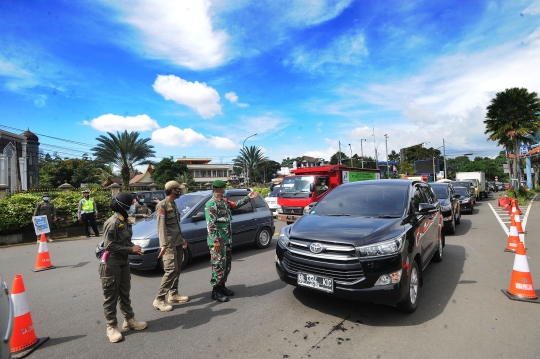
x=141 y=200
x=132 y=209
x=46 y=199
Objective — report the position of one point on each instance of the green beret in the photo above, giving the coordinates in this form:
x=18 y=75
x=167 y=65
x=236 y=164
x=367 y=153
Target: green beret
x=219 y=184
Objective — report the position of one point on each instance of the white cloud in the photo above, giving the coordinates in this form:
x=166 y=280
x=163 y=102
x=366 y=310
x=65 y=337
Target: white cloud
x=114 y=123
x=179 y=31
x=173 y=136
x=40 y=101
x=222 y=143
x=263 y=124
x=533 y=9
x=200 y=97
x=233 y=98
x=347 y=49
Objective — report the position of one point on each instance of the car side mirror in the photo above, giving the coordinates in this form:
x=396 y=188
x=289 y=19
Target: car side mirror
x=426 y=208
x=312 y=187
x=198 y=217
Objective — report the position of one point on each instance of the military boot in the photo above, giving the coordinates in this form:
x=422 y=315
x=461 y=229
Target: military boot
x=132 y=323
x=226 y=291
x=162 y=305
x=218 y=295
x=177 y=298
x=113 y=334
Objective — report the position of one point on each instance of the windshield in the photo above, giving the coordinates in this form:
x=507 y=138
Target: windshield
x=274 y=192
x=464 y=184
x=440 y=191
x=296 y=186
x=186 y=202
x=364 y=201
x=462 y=191
x=472 y=181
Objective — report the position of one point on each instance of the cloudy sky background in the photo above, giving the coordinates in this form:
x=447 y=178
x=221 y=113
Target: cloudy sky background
x=199 y=76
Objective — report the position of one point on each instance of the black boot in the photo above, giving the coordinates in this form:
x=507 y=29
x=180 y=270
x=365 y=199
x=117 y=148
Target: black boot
x=226 y=291
x=217 y=295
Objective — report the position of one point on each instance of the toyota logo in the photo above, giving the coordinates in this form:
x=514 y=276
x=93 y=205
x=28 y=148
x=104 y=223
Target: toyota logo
x=316 y=247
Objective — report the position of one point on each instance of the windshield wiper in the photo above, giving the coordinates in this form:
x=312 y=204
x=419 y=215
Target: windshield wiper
x=388 y=216
x=338 y=215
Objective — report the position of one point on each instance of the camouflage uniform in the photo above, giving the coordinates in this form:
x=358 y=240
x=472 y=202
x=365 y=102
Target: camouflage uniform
x=218 y=222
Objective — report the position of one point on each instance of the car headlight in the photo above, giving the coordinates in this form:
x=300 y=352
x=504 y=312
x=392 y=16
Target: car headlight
x=283 y=238
x=279 y=209
x=445 y=208
x=466 y=200
x=386 y=248
x=141 y=242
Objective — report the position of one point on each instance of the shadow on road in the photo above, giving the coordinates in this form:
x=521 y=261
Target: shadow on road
x=440 y=282
x=55 y=341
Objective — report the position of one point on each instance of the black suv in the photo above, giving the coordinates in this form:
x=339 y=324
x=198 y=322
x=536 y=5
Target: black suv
x=450 y=206
x=367 y=241
x=150 y=197
x=470 y=188
x=252 y=223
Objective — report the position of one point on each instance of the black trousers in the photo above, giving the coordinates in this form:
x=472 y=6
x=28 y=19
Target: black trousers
x=90 y=218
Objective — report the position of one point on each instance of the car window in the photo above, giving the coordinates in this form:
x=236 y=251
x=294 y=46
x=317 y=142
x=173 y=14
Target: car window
x=462 y=191
x=185 y=203
x=441 y=192
x=428 y=194
x=417 y=198
x=259 y=202
x=363 y=201
x=246 y=208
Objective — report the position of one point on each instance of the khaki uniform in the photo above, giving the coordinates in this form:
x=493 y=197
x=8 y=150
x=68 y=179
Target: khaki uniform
x=170 y=235
x=140 y=210
x=46 y=208
x=115 y=274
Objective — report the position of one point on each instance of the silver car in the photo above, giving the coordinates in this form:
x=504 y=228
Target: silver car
x=252 y=223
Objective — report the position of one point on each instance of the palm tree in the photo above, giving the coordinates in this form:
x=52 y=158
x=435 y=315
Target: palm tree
x=187 y=179
x=249 y=158
x=513 y=117
x=123 y=150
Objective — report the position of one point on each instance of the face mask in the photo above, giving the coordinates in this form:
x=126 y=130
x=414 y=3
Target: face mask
x=131 y=209
x=141 y=200
x=46 y=199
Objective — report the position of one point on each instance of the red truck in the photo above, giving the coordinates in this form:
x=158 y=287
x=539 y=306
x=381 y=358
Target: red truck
x=310 y=184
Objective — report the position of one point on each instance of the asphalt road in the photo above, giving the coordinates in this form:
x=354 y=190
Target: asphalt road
x=462 y=312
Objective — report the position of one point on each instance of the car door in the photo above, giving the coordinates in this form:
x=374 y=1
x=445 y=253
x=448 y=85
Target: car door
x=431 y=224
x=197 y=231
x=244 y=221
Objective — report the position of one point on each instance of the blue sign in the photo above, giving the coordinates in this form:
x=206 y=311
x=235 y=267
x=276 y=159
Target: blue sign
x=523 y=149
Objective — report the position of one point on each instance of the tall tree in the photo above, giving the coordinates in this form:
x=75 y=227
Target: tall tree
x=249 y=158
x=124 y=150
x=167 y=169
x=513 y=116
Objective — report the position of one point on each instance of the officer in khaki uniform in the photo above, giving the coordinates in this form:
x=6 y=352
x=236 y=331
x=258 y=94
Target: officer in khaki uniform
x=46 y=208
x=114 y=268
x=172 y=244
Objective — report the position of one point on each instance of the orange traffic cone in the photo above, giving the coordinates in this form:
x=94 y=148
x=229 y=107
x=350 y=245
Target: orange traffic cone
x=521 y=284
x=24 y=340
x=513 y=238
x=517 y=220
x=43 y=260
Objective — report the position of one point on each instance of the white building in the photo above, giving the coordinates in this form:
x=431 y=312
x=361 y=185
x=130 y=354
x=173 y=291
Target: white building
x=202 y=171
x=19 y=160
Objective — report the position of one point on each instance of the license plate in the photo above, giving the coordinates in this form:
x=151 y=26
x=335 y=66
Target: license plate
x=291 y=217
x=324 y=284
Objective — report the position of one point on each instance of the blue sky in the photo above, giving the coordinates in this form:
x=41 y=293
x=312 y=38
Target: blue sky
x=199 y=76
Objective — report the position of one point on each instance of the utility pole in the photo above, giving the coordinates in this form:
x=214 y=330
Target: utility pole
x=362 y=150
x=444 y=156
x=339 y=152
x=375 y=147
x=351 y=153
x=386 y=142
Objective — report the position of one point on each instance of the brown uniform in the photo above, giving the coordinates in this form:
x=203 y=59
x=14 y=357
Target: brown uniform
x=170 y=235
x=114 y=273
x=46 y=208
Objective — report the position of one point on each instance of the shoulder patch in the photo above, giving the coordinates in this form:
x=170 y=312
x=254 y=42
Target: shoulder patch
x=161 y=213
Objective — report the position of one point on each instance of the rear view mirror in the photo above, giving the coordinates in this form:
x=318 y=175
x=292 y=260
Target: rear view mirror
x=312 y=187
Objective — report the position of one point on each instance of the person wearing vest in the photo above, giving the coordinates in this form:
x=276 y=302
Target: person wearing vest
x=46 y=208
x=87 y=212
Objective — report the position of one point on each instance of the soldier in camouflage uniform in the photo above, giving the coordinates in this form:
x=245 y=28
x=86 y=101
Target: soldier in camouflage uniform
x=114 y=270
x=218 y=222
x=46 y=208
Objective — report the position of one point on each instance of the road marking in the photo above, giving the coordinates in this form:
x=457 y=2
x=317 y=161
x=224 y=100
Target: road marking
x=523 y=223
x=499 y=219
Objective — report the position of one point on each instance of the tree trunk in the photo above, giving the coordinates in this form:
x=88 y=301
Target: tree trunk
x=516 y=163
x=125 y=177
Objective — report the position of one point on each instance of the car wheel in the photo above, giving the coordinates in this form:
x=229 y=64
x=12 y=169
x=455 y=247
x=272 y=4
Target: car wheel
x=452 y=229
x=411 y=300
x=438 y=256
x=263 y=239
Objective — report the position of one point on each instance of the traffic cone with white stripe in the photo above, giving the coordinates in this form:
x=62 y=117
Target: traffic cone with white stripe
x=513 y=238
x=43 y=261
x=24 y=340
x=517 y=220
x=521 y=284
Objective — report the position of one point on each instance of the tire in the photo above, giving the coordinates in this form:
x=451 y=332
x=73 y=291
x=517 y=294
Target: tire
x=410 y=303
x=452 y=229
x=185 y=261
x=438 y=256
x=263 y=238
x=289 y=222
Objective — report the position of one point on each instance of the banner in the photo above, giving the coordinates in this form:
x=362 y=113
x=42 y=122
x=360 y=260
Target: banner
x=350 y=176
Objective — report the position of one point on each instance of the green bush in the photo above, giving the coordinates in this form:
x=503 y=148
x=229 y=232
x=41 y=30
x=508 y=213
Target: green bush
x=263 y=191
x=18 y=209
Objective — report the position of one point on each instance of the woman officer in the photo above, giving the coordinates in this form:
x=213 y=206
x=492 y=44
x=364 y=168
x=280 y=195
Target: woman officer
x=114 y=267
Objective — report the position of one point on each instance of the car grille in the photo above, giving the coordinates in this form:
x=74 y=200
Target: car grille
x=337 y=261
x=293 y=210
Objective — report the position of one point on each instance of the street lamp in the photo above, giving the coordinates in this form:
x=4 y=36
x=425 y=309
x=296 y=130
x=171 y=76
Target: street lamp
x=362 y=150
x=245 y=167
x=351 y=153
x=386 y=142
